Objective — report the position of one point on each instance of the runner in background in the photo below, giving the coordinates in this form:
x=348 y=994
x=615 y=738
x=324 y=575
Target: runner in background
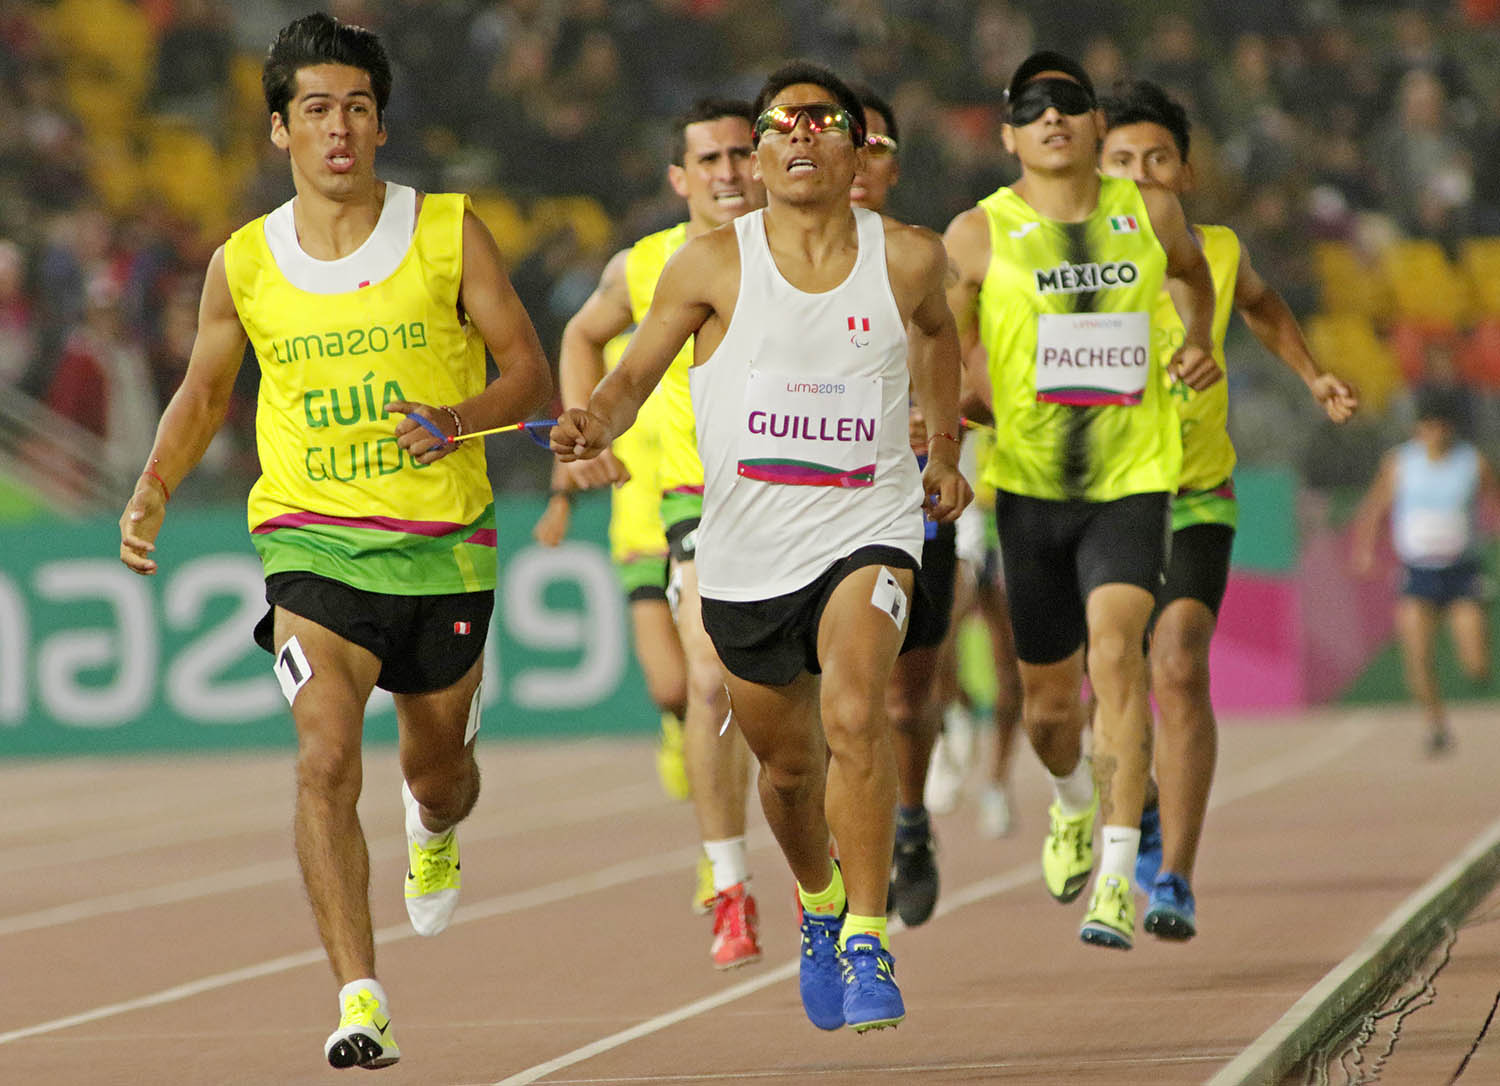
x=711 y=171
x=1147 y=141
x=638 y=550
x=1432 y=490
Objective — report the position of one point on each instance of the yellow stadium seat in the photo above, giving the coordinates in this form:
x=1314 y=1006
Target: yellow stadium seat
x=1347 y=344
x=1480 y=258
x=513 y=233
x=1425 y=286
x=114 y=172
x=183 y=167
x=1346 y=283
x=587 y=217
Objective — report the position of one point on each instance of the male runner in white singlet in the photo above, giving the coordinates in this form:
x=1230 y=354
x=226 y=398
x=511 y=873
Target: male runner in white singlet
x=812 y=519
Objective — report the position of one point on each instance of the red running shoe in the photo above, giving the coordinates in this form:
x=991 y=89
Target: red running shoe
x=736 y=928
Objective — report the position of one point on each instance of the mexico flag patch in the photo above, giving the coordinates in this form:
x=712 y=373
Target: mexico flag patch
x=1124 y=224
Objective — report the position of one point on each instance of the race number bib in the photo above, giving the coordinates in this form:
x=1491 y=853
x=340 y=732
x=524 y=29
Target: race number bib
x=810 y=430
x=1086 y=359
x=1431 y=535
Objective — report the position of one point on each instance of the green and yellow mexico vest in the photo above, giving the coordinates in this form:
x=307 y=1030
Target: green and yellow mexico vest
x=1082 y=410
x=672 y=414
x=337 y=496
x=1207 y=453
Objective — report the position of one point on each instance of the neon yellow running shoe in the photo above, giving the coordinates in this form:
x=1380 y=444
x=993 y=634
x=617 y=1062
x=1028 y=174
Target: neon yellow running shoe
x=704 y=894
x=432 y=874
x=364 y=1037
x=671 y=769
x=1110 y=920
x=1068 y=851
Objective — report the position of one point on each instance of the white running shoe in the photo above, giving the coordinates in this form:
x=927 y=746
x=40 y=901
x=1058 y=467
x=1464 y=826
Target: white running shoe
x=995 y=817
x=364 y=1037
x=432 y=874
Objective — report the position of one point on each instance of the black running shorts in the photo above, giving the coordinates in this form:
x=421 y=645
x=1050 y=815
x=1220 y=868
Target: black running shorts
x=424 y=643
x=935 y=580
x=1198 y=567
x=1057 y=552
x=772 y=641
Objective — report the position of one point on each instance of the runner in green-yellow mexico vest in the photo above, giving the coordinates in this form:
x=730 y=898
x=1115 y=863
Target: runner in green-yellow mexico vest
x=1081 y=401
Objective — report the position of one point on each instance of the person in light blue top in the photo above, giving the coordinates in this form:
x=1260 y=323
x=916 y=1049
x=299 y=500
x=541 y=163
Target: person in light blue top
x=1431 y=489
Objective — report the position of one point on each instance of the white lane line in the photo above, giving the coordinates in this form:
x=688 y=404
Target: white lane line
x=1256 y=779
x=560 y=814
x=1343 y=739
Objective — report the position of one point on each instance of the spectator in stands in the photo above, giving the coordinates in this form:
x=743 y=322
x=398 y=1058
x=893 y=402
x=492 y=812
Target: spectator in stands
x=1426 y=173
x=192 y=64
x=17 y=335
x=103 y=384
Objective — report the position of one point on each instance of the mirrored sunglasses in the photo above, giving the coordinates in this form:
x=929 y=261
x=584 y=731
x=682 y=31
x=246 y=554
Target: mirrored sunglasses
x=1067 y=96
x=821 y=117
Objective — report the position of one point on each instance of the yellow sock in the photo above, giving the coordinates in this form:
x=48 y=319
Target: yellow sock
x=826 y=902
x=864 y=925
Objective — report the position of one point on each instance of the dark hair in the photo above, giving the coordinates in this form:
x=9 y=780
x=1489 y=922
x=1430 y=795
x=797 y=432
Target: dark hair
x=706 y=109
x=872 y=102
x=321 y=39
x=1442 y=403
x=802 y=71
x=1143 y=102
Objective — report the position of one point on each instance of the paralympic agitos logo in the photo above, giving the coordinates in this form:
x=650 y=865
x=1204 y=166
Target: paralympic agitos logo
x=1079 y=278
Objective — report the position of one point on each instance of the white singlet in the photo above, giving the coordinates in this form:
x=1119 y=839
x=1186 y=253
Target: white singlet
x=379 y=256
x=801 y=414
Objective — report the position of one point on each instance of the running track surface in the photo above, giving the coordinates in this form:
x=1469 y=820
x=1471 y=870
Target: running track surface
x=153 y=928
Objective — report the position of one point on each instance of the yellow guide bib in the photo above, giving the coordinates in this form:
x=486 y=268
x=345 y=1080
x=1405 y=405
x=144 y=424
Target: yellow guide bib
x=671 y=404
x=1207 y=452
x=337 y=496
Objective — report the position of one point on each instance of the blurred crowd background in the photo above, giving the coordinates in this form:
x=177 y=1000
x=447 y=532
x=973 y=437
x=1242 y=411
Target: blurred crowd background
x=1355 y=146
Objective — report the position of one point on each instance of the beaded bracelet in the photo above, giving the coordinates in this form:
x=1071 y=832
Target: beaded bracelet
x=933 y=437
x=458 y=423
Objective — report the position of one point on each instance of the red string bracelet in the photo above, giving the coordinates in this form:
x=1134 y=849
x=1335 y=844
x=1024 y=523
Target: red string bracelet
x=933 y=437
x=164 y=488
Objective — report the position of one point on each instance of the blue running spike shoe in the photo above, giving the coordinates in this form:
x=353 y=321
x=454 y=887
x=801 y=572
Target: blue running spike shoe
x=819 y=975
x=1148 y=858
x=1171 y=912
x=871 y=998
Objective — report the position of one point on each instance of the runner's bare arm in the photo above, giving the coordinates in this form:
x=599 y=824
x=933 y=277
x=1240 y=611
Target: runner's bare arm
x=936 y=367
x=1190 y=285
x=525 y=381
x=191 y=419
x=967 y=243
x=580 y=361
x=679 y=308
x=1371 y=515
x=1267 y=315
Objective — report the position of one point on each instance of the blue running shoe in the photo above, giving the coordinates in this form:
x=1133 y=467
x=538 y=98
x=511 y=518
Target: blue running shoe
x=819 y=975
x=1171 y=912
x=1148 y=858
x=871 y=998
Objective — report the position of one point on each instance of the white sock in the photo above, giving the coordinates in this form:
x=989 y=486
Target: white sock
x=369 y=983
x=729 y=862
x=1075 y=792
x=417 y=830
x=1117 y=857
